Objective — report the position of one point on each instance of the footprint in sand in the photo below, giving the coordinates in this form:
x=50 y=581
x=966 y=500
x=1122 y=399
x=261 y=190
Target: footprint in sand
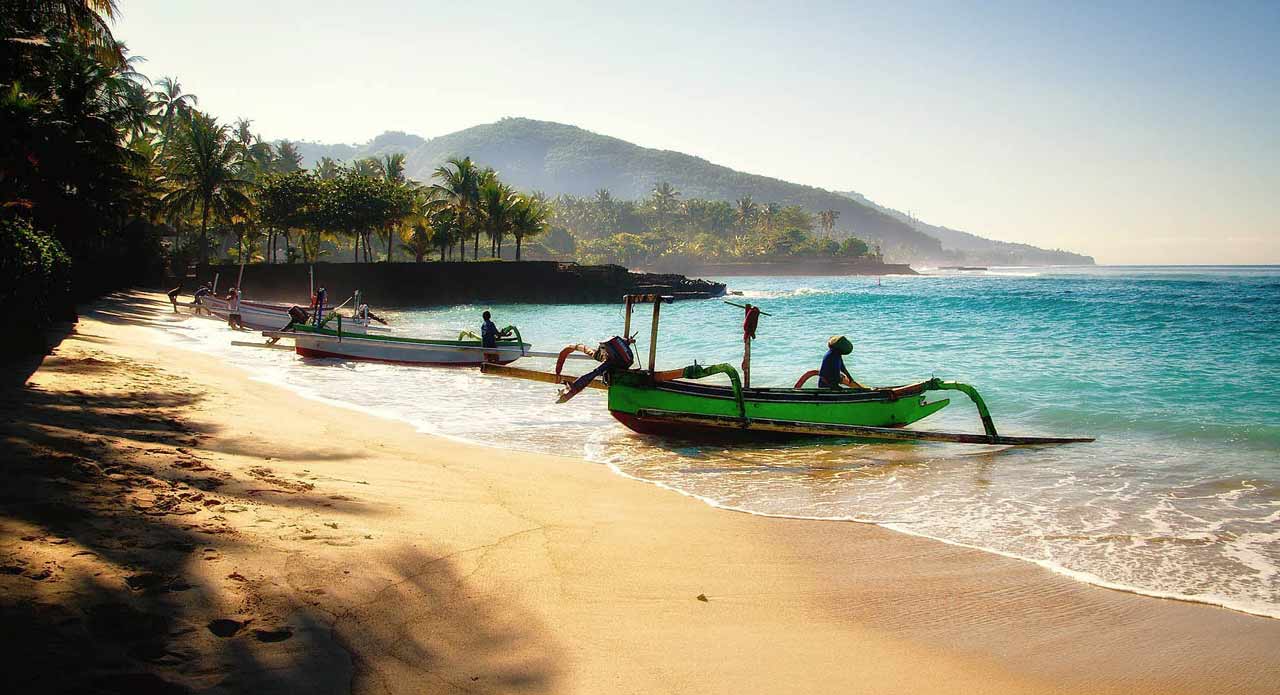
x=225 y=627
x=280 y=635
x=155 y=583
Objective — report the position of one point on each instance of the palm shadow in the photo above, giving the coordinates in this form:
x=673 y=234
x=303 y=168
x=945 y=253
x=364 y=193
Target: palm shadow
x=122 y=478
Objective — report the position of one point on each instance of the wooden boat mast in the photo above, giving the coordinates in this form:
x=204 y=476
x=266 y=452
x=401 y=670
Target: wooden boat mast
x=657 y=300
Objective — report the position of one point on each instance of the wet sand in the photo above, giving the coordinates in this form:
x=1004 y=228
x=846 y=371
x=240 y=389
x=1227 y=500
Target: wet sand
x=169 y=525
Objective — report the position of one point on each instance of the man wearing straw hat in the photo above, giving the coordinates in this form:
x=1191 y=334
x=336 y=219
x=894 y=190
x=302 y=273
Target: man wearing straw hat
x=833 y=373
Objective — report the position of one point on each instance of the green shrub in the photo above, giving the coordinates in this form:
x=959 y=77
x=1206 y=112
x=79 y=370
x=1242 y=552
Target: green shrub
x=35 y=281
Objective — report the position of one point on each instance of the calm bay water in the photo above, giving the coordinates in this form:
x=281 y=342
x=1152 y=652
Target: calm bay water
x=1174 y=370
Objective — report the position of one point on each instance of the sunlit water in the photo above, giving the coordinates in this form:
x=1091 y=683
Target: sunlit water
x=1174 y=370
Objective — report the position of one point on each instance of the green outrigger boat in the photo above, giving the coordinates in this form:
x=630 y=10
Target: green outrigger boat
x=674 y=403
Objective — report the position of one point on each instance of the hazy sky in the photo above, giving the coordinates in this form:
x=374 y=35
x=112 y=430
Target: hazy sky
x=1139 y=133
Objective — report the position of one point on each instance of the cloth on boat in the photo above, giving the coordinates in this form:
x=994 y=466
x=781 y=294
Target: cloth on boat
x=750 y=323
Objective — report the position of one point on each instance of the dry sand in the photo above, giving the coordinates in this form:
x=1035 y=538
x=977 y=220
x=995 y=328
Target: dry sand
x=167 y=525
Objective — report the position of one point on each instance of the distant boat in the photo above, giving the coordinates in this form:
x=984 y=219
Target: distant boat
x=963 y=267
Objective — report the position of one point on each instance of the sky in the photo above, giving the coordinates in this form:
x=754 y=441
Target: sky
x=1135 y=132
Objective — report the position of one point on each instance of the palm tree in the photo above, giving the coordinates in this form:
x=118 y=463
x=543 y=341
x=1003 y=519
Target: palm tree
x=171 y=103
x=85 y=20
x=391 y=167
x=606 y=211
x=459 y=185
x=769 y=215
x=827 y=218
x=746 y=211
x=418 y=241
x=203 y=174
x=327 y=169
x=496 y=203
x=140 y=111
x=665 y=199
x=368 y=166
x=528 y=219
x=287 y=158
x=255 y=155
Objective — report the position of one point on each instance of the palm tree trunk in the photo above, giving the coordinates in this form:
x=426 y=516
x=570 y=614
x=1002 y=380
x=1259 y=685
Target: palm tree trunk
x=356 y=250
x=389 y=247
x=204 y=234
x=475 y=249
x=518 y=240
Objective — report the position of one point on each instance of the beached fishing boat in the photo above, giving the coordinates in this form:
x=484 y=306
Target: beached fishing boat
x=674 y=403
x=258 y=316
x=338 y=341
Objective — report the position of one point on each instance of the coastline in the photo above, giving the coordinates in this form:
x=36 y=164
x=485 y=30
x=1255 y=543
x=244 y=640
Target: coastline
x=474 y=569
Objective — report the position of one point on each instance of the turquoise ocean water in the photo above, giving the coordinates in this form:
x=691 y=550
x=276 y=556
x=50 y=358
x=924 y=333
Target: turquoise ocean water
x=1174 y=369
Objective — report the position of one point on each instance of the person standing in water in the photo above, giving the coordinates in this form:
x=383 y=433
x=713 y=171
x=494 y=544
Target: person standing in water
x=173 y=296
x=833 y=373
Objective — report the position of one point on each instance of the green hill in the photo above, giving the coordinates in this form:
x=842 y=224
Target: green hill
x=556 y=158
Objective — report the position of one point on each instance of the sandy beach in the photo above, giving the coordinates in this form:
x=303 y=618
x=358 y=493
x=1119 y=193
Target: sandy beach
x=169 y=525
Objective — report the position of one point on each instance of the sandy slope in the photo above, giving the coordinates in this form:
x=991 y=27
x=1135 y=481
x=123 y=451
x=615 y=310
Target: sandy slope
x=167 y=524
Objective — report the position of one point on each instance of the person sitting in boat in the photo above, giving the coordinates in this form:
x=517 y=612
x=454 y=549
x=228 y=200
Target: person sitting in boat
x=833 y=373
x=489 y=333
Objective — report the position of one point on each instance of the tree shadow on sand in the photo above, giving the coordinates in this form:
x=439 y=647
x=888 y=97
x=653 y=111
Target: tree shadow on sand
x=111 y=522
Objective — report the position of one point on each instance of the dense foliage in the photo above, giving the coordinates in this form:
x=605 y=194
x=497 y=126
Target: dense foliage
x=35 y=275
x=105 y=175
x=602 y=229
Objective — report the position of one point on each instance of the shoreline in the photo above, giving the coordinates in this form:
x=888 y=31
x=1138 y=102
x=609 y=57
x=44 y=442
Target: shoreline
x=1225 y=603
x=439 y=550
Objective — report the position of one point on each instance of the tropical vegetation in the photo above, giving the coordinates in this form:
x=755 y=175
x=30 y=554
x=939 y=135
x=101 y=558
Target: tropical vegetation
x=110 y=174
x=664 y=226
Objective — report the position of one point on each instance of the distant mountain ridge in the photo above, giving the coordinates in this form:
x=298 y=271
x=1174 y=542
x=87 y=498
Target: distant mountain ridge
x=556 y=158
x=978 y=249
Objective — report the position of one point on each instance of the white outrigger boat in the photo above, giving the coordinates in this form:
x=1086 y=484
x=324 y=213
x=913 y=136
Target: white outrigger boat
x=340 y=342
x=257 y=316
x=266 y=316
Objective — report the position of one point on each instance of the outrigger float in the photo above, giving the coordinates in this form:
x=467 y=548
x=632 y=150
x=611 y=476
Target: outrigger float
x=672 y=403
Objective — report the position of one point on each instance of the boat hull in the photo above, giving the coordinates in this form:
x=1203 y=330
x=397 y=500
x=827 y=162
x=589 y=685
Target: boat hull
x=646 y=407
x=395 y=350
x=261 y=316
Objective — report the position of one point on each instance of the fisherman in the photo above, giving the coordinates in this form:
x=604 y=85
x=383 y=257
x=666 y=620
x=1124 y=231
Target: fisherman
x=173 y=296
x=201 y=292
x=489 y=335
x=366 y=315
x=833 y=373
x=317 y=305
